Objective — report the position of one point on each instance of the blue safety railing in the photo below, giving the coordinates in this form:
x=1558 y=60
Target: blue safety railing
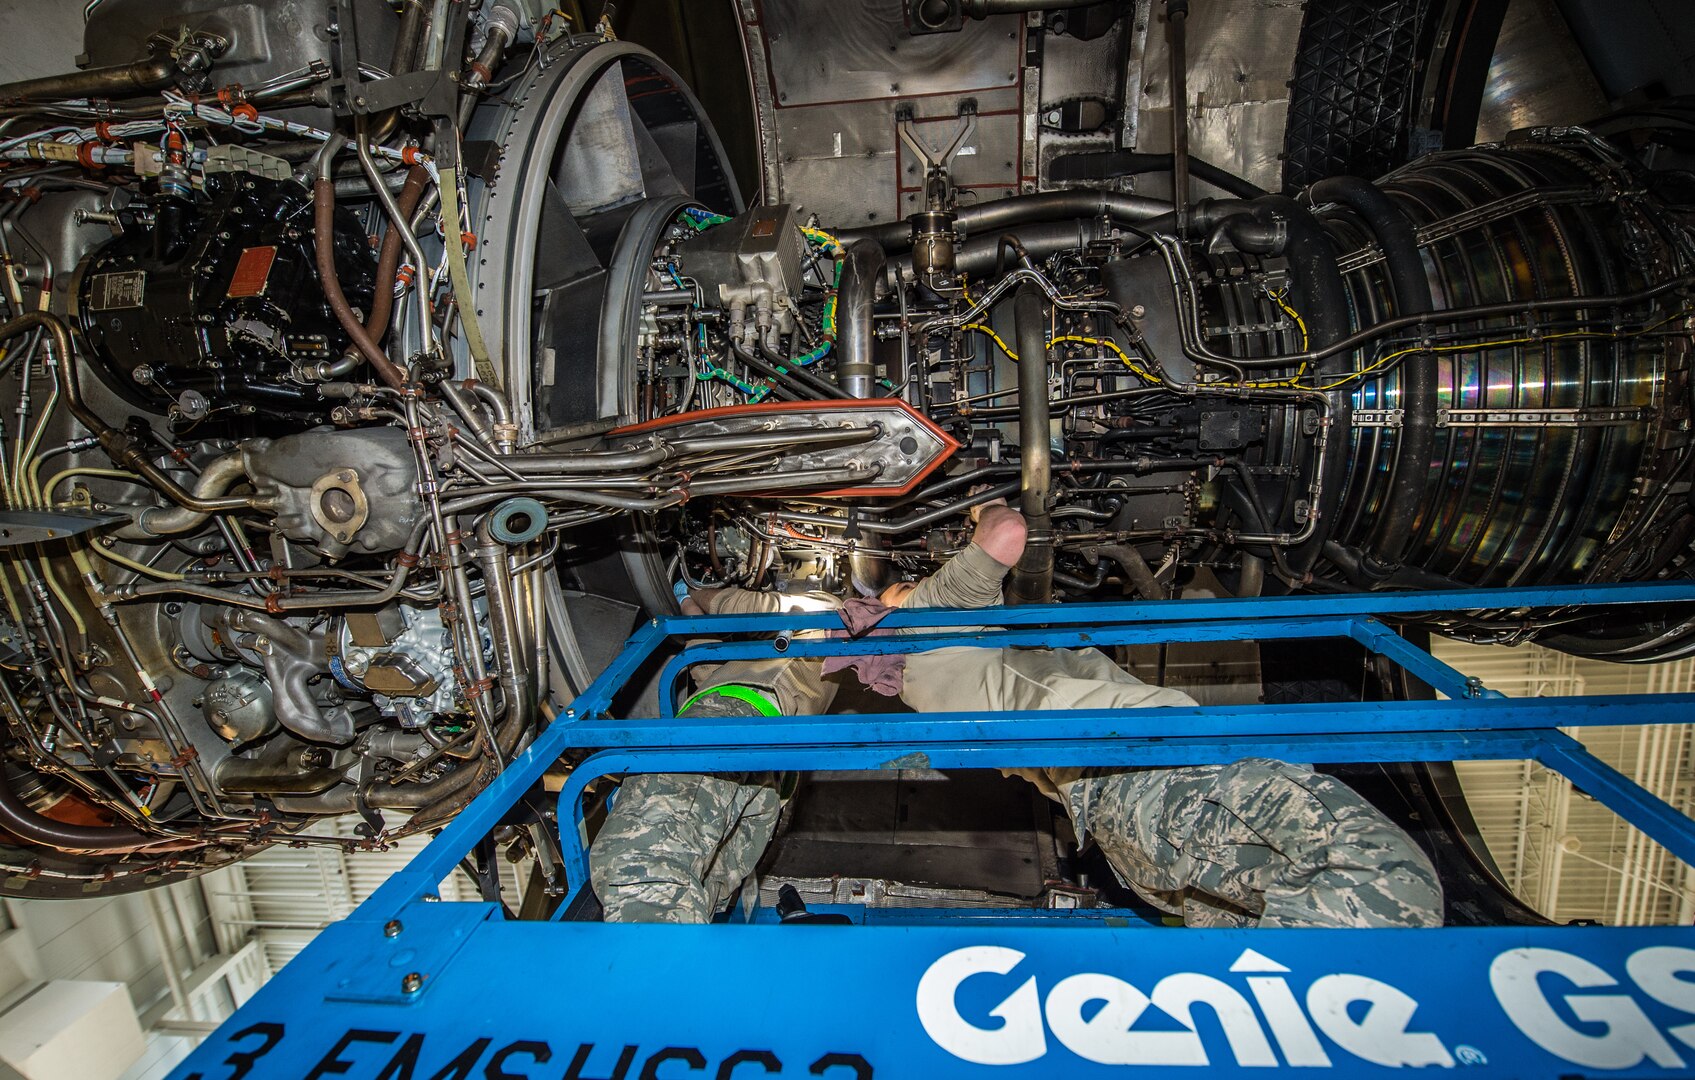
x=408 y=987
x=1475 y=724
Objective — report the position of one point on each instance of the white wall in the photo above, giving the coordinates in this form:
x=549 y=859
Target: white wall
x=116 y=939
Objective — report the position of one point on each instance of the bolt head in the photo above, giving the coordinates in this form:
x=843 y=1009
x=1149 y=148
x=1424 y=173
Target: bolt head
x=412 y=982
x=392 y=928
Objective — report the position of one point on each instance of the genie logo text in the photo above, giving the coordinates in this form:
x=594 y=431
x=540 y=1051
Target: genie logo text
x=987 y=1005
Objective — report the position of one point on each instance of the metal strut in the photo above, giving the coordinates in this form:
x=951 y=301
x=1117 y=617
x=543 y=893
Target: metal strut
x=410 y=984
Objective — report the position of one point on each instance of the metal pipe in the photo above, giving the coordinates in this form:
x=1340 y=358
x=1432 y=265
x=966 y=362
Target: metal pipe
x=862 y=267
x=1177 y=36
x=414 y=21
x=1003 y=214
x=388 y=265
x=17 y=818
x=515 y=677
x=120 y=80
x=1032 y=578
x=399 y=221
x=502 y=29
x=155 y=521
x=435 y=44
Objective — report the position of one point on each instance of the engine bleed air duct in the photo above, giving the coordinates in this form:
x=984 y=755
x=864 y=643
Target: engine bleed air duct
x=1535 y=447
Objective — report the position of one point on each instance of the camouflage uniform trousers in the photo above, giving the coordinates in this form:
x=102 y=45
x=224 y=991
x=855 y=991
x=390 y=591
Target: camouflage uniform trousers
x=675 y=846
x=1256 y=842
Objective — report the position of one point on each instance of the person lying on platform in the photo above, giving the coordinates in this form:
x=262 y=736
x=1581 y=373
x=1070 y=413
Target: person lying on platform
x=1256 y=842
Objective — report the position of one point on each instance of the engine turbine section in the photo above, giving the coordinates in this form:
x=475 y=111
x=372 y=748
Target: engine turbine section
x=366 y=382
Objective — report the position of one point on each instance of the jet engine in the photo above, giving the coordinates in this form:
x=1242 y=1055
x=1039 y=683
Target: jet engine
x=372 y=367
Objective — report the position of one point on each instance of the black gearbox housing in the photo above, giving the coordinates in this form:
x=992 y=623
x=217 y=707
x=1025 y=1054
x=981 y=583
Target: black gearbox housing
x=220 y=298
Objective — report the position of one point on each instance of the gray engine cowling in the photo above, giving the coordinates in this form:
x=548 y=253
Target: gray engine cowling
x=323 y=486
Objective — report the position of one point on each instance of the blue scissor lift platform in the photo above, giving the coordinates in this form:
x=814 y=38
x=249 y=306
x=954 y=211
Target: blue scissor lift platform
x=411 y=988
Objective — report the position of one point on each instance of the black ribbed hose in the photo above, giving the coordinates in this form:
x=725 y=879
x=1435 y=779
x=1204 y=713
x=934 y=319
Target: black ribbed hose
x=1323 y=303
x=1394 y=233
x=1019 y=210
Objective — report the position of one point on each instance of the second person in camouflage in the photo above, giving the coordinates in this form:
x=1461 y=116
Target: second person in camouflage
x=1254 y=842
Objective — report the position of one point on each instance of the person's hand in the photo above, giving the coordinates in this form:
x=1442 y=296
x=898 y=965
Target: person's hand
x=1001 y=532
x=895 y=595
x=698 y=601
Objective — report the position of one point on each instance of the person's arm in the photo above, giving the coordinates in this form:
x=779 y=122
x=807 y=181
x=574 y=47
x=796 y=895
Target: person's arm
x=973 y=578
x=733 y=601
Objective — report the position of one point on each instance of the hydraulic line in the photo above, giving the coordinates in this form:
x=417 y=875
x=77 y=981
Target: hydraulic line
x=157 y=521
x=388 y=265
x=514 y=674
x=1032 y=578
x=400 y=222
x=323 y=206
x=788 y=369
x=1020 y=210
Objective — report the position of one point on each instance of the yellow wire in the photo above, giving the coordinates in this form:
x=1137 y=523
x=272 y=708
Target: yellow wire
x=819 y=236
x=1103 y=342
x=980 y=328
x=1300 y=323
x=1352 y=376
x=1569 y=335
x=1109 y=344
x=1293 y=314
